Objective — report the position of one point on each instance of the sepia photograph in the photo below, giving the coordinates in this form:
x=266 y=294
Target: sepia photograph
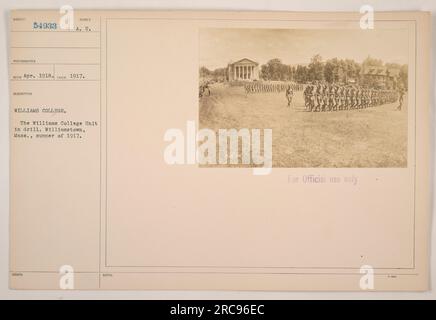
x=333 y=98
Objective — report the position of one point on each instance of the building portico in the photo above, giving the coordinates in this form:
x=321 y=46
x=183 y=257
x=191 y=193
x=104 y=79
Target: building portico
x=243 y=70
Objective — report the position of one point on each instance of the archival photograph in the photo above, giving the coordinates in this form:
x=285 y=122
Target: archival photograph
x=333 y=98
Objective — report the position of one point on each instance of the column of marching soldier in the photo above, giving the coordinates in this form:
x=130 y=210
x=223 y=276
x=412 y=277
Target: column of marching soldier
x=330 y=97
x=259 y=87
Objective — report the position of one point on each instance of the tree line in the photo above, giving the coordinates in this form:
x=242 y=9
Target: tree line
x=332 y=71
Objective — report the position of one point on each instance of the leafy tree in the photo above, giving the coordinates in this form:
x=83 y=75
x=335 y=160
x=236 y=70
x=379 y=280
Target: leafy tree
x=301 y=74
x=316 y=68
x=205 y=72
x=274 y=69
x=219 y=74
x=372 y=62
x=404 y=76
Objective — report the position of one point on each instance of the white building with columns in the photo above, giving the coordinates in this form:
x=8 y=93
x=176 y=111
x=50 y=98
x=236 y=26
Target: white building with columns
x=243 y=70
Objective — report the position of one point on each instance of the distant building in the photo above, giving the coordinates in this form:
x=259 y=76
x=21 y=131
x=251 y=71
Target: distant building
x=380 y=76
x=243 y=70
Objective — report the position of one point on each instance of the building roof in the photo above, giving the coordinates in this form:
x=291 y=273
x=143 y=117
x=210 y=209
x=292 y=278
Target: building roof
x=383 y=71
x=244 y=60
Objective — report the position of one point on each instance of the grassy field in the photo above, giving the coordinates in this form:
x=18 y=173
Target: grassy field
x=373 y=137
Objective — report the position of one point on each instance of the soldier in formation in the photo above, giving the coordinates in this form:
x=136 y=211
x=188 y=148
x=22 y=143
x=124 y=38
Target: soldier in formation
x=261 y=87
x=321 y=97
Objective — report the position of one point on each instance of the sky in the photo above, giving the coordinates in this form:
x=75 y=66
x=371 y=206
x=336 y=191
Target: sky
x=218 y=47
